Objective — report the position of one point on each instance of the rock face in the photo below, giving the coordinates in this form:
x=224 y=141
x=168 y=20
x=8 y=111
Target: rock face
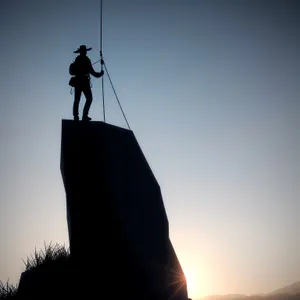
x=117 y=222
x=54 y=279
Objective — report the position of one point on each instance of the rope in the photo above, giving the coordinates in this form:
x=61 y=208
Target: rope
x=96 y=62
x=103 y=103
x=116 y=96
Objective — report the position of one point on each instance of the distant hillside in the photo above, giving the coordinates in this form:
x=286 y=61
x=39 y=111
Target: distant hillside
x=255 y=297
x=225 y=297
x=291 y=289
x=289 y=292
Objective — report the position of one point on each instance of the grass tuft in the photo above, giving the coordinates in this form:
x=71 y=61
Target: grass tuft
x=7 y=290
x=51 y=253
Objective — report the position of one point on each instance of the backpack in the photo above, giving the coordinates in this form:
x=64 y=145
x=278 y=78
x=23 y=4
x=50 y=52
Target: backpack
x=72 y=81
x=72 y=69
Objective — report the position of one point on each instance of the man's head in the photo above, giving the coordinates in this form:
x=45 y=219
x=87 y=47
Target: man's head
x=82 y=50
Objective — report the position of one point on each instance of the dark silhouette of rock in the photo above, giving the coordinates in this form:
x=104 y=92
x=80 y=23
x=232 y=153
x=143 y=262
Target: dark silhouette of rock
x=49 y=281
x=116 y=217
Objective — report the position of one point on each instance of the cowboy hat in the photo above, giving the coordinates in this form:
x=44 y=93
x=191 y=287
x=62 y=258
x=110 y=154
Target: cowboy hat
x=82 y=48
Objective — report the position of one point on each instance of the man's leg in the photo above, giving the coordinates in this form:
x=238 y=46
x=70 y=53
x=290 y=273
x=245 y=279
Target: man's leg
x=89 y=98
x=77 y=95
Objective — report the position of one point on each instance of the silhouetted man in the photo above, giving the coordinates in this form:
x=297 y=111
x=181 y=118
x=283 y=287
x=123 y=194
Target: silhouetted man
x=82 y=70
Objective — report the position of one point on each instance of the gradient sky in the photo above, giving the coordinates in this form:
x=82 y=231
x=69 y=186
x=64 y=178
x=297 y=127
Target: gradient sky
x=211 y=91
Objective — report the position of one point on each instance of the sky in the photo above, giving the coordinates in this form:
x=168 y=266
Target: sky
x=210 y=89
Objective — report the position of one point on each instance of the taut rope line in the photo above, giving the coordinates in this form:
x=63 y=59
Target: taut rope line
x=101 y=56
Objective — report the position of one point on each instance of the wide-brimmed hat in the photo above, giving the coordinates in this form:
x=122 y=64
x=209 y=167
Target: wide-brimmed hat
x=82 y=48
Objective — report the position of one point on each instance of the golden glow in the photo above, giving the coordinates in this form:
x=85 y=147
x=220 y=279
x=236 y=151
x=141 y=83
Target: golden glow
x=198 y=274
x=193 y=283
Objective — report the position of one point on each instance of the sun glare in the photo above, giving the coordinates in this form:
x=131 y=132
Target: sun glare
x=192 y=281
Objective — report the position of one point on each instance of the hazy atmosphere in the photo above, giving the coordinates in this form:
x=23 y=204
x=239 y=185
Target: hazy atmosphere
x=211 y=91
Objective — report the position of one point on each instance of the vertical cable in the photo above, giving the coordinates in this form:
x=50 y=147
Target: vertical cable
x=101 y=26
x=103 y=66
x=101 y=55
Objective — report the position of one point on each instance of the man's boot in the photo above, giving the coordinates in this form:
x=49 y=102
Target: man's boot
x=86 y=118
